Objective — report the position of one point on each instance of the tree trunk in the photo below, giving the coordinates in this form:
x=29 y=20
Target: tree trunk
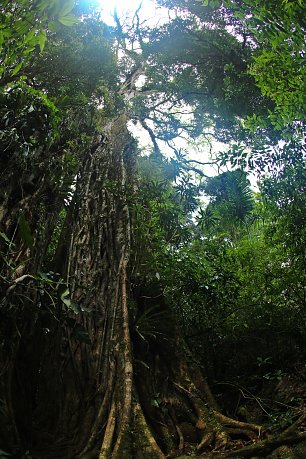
x=93 y=384
x=110 y=387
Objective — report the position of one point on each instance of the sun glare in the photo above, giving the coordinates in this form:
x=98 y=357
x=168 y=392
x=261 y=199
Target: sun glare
x=126 y=7
x=120 y=4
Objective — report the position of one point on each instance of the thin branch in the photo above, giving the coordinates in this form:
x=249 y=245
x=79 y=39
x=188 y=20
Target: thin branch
x=196 y=170
x=151 y=134
x=18 y=280
x=199 y=162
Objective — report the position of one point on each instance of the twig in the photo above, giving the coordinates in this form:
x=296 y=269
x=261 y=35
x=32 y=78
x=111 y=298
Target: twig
x=18 y=280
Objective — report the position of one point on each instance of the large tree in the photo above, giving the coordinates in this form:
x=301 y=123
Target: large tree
x=112 y=377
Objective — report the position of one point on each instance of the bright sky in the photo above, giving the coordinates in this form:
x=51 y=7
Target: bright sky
x=128 y=7
x=152 y=14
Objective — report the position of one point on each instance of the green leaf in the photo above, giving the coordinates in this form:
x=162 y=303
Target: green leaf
x=53 y=26
x=67 y=302
x=65 y=294
x=42 y=37
x=16 y=69
x=68 y=20
x=30 y=35
x=71 y=304
x=45 y=277
x=83 y=309
x=74 y=306
x=22 y=27
x=67 y=8
x=4 y=236
x=42 y=5
x=155 y=403
x=214 y=3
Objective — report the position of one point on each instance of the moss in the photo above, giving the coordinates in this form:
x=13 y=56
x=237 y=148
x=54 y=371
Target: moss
x=126 y=449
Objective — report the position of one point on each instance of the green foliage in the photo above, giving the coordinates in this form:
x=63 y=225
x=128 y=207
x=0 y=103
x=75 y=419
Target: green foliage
x=201 y=285
x=4 y=236
x=284 y=190
x=66 y=299
x=236 y=276
x=162 y=215
x=204 y=68
x=23 y=30
x=29 y=123
x=279 y=29
x=230 y=207
x=28 y=118
x=147 y=325
x=78 y=65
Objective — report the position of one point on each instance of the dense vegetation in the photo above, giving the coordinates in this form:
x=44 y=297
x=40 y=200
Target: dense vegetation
x=148 y=309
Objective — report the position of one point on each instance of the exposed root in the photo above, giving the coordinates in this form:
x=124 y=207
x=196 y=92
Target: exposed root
x=109 y=433
x=126 y=405
x=178 y=431
x=147 y=442
x=207 y=440
x=242 y=433
x=263 y=447
x=221 y=441
x=100 y=416
x=214 y=426
x=225 y=421
x=293 y=428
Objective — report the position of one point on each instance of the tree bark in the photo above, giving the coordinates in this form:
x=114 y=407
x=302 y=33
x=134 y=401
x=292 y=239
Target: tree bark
x=93 y=384
x=118 y=392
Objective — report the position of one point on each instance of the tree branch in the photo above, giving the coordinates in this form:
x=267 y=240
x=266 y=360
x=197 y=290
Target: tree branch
x=151 y=134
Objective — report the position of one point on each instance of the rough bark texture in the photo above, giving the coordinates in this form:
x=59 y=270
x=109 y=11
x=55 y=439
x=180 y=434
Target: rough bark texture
x=93 y=384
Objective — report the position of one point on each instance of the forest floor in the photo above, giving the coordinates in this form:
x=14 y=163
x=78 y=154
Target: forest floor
x=279 y=406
